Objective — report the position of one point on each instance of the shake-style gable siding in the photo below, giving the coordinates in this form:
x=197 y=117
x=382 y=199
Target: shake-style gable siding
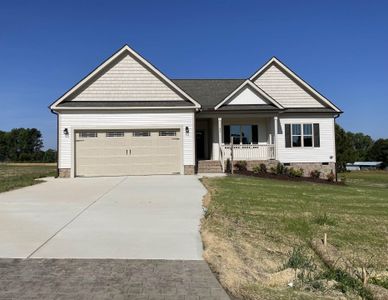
x=127 y=120
x=308 y=154
x=284 y=90
x=126 y=79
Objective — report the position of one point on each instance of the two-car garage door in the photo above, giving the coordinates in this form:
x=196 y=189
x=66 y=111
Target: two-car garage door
x=127 y=152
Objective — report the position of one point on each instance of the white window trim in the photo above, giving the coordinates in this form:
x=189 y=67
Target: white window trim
x=302 y=146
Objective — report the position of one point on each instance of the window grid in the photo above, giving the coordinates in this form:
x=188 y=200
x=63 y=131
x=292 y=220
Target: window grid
x=167 y=133
x=88 y=134
x=302 y=135
x=112 y=134
x=141 y=133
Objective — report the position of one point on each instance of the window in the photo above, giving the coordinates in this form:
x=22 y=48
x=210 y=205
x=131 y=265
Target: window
x=115 y=134
x=141 y=133
x=296 y=135
x=307 y=135
x=88 y=134
x=302 y=135
x=240 y=134
x=167 y=133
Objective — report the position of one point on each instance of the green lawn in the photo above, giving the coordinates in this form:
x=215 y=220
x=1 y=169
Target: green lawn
x=259 y=221
x=13 y=176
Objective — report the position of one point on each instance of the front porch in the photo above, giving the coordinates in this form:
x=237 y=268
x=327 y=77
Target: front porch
x=250 y=138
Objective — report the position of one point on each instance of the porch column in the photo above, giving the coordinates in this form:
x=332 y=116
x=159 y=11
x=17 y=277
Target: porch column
x=215 y=152
x=219 y=131
x=275 y=138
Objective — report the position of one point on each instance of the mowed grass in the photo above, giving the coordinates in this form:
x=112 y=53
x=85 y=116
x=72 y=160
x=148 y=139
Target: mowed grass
x=13 y=176
x=266 y=214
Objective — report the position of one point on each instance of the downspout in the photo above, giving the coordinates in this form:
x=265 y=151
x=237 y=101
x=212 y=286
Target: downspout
x=56 y=114
x=335 y=148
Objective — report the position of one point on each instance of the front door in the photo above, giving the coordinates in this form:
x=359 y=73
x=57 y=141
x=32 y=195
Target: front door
x=200 y=144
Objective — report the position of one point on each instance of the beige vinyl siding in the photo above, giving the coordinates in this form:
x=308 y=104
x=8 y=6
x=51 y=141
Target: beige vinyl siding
x=284 y=90
x=120 y=120
x=308 y=154
x=126 y=80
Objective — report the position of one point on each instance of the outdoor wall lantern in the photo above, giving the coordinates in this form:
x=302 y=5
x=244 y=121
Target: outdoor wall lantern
x=65 y=131
x=187 y=130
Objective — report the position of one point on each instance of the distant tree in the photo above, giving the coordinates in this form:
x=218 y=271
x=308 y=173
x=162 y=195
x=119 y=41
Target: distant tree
x=3 y=145
x=362 y=144
x=379 y=151
x=50 y=156
x=345 y=149
x=20 y=144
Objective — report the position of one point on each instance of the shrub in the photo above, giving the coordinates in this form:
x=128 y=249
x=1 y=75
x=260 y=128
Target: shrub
x=260 y=169
x=279 y=169
x=228 y=168
x=315 y=174
x=256 y=170
x=299 y=172
x=298 y=259
x=330 y=176
x=295 y=172
x=272 y=170
x=241 y=165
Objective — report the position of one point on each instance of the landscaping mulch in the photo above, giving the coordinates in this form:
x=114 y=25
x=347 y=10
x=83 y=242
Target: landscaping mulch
x=287 y=178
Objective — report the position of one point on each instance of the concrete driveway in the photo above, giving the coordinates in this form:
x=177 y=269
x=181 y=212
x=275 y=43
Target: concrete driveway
x=147 y=217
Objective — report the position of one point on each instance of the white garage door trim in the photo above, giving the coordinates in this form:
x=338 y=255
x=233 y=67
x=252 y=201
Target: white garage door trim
x=74 y=130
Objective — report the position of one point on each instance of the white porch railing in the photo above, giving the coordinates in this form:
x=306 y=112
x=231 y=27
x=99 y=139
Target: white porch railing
x=248 y=152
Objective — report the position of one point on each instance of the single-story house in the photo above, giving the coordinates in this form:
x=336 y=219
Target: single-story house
x=364 y=165
x=128 y=118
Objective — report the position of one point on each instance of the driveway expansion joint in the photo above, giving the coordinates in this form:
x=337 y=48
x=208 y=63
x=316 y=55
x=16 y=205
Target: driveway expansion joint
x=76 y=217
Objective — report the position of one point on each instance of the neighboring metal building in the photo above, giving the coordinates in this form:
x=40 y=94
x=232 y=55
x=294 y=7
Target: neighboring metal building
x=364 y=165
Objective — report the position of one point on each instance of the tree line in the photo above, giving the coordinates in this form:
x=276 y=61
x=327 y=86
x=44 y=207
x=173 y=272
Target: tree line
x=353 y=147
x=24 y=145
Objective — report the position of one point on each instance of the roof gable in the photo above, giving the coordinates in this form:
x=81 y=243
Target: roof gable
x=250 y=94
x=125 y=76
x=287 y=88
x=247 y=96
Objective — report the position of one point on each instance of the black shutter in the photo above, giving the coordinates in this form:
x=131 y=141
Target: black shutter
x=288 y=135
x=317 y=139
x=226 y=134
x=255 y=134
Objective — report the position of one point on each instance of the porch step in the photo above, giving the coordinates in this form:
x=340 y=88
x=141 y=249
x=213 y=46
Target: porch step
x=209 y=166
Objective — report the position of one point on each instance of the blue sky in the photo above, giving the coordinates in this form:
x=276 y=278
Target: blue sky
x=339 y=47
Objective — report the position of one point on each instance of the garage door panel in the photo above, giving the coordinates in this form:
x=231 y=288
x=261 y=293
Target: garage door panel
x=115 y=153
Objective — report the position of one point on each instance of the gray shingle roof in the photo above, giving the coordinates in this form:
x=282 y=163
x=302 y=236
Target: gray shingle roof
x=208 y=92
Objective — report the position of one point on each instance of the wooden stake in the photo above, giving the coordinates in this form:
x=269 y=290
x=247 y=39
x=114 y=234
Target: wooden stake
x=325 y=239
x=364 y=276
